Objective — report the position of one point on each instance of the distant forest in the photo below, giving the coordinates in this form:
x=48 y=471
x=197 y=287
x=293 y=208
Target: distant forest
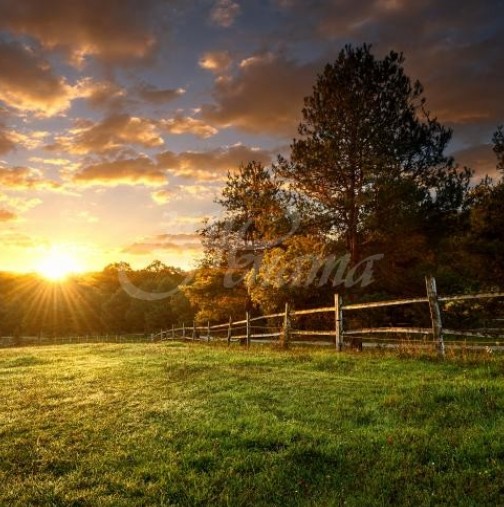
x=91 y=304
x=366 y=204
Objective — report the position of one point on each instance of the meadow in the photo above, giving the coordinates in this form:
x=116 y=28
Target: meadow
x=176 y=424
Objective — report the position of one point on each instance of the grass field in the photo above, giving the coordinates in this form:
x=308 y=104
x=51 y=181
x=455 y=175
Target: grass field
x=175 y=424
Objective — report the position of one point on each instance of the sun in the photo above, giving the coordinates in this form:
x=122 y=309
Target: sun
x=58 y=265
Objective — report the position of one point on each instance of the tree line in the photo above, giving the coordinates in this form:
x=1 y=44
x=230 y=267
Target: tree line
x=366 y=204
x=92 y=303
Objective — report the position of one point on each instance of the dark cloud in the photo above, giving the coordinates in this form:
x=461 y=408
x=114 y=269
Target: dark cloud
x=155 y=95
x=265 y=95
x=455 y=47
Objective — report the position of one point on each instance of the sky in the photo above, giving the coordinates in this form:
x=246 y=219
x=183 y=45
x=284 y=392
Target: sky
x=119 y=119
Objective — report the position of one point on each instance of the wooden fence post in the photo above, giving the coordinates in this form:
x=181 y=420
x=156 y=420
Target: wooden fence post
x=286 y=327
x=230 y=330
x=208 y=332
x=183 y=330
x=435 y=312
x=194 y=330
x=247 y=316
x=338 y=321
x=173 y=331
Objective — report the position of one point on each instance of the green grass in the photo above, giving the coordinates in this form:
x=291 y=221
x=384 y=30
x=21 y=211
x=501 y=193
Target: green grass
x=174 y=424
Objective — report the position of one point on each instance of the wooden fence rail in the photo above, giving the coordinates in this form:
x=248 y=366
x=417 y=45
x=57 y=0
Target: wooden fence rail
x=263 y=328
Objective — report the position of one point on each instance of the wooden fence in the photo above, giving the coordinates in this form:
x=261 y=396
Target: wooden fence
x=279 y=328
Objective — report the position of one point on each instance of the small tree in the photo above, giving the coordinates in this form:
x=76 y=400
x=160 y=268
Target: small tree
x=254 y=213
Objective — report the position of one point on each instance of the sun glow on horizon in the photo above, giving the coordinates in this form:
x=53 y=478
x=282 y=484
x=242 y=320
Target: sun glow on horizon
x=57 y=265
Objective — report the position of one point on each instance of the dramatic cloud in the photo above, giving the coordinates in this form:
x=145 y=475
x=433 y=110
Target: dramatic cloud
x=114 y=30
x=210 y=165
x=187 y=125
x=109 y=135
x=216 y=61
x=25 y=178
x=453 y=47
x=28 y=84
x=133 y=171
x=224 y=13
x=265 y=96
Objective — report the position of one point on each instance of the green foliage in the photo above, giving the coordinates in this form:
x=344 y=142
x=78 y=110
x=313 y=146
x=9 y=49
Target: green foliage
x=137 y=425
x=254 y=206
x=370 y=159
x=291 y=274
x=217 y=293
x=485 y=240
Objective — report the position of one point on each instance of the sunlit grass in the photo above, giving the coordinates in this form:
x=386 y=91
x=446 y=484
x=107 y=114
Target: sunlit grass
x=173 y=424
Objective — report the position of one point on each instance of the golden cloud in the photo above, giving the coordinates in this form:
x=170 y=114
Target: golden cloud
x=210 y=165
x=188 y=125
x=28 y=84
x=109 y=135
x=162 y=196
x=115 y=30
x=25 y=178
x=100 y=94
x=216 y=61
x=133 y=171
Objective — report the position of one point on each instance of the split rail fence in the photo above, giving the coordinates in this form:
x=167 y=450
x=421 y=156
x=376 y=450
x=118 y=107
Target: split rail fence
x=279 y=328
